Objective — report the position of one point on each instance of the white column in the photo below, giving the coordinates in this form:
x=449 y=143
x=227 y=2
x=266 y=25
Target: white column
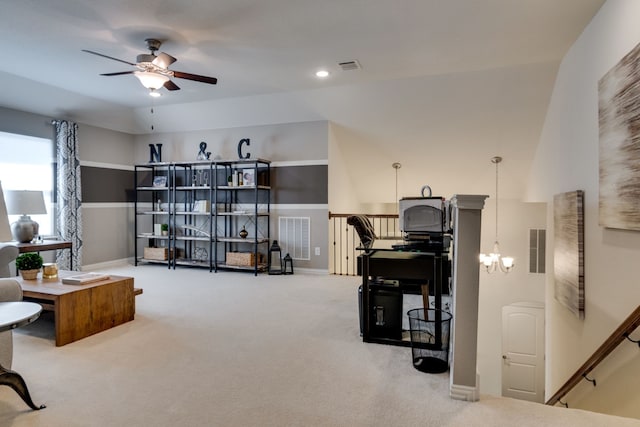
x=467 y=214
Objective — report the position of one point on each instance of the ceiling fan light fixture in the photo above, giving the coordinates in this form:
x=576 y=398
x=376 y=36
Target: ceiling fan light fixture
x=153 y=70
x=151 y=80
x=154 y=93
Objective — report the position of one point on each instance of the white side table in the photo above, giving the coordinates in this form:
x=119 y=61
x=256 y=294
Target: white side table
x=14 y=315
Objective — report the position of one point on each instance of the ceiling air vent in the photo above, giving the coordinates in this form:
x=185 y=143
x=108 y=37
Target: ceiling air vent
x=349 y=65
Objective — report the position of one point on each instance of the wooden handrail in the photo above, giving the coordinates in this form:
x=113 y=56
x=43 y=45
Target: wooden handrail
x=344 y=242
x=619 y=335
x=341 y=215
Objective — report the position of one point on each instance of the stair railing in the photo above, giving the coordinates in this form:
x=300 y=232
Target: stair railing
x=619 y=335
x=344 y=241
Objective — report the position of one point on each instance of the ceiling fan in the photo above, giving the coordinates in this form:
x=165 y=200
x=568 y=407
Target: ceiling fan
x=153 y=70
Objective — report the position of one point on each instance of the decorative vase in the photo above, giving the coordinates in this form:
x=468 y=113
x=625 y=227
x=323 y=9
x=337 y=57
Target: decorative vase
x=24 y=229
x=243 y=233
x=30 y=274
x=50 y=270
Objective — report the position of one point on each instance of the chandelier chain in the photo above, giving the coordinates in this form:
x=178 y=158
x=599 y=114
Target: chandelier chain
x=497 y=201
x=495 y=261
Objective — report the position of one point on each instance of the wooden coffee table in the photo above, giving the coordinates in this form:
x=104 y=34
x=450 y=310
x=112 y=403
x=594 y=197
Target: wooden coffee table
x=83 y=310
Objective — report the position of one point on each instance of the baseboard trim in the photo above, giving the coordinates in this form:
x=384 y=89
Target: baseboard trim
x=311 y=271
x=129 y=261
x=463 y=392
x=107 y=264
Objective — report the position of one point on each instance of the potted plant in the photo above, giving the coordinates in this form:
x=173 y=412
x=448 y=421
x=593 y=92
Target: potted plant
x=164 y=228
x=29 y=264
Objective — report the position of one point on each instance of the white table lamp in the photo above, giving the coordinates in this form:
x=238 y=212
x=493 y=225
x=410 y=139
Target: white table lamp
x=25 y=203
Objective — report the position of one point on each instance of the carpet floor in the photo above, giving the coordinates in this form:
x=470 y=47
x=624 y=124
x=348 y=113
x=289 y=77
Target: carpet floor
x=231 y=349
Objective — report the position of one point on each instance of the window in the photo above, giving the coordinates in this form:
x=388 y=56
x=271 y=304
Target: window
x=27 y=163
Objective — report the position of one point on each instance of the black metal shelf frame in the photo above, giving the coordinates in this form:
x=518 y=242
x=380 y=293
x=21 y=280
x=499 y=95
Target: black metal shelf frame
x=218 y=227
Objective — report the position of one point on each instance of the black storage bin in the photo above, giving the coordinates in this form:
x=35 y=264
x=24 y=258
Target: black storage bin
x=430 y=339
x=385 y=315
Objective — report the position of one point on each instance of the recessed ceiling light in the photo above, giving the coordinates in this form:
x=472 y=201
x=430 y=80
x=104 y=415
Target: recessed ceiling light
x=322 y=74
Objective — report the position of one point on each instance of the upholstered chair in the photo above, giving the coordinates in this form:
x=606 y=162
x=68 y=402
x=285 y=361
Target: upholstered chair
x=10 y=290
x=8 y=253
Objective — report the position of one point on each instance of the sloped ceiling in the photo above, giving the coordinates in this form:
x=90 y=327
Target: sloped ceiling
x=445 y=75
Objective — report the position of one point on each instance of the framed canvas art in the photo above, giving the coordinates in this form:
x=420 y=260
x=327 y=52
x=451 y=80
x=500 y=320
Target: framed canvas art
x=568 y=250
x=619 y=148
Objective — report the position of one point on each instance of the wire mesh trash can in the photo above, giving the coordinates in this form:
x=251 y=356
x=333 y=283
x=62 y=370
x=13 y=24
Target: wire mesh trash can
x=430 y=339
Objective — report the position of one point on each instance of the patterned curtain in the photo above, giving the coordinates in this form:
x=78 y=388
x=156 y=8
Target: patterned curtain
x=69 y=200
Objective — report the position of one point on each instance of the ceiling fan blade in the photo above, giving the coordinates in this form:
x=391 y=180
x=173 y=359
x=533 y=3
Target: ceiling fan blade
x=164 y=60
x=120 y=73
x=108 y=57
x=195 y=77
x=169 y=85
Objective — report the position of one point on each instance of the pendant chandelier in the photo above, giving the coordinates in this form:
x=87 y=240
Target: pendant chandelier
x=397 y=166
x=494 y=261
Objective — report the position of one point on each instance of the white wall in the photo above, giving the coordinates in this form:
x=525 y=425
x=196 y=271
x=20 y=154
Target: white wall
x=342 y=196
x=567 y=159
x=499 y=289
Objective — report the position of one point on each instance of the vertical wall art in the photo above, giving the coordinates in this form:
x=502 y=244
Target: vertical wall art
x=568 y=251
x=619 y=122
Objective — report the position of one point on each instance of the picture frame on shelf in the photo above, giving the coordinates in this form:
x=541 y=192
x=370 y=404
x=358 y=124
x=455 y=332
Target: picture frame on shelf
x=248 y=177
x=160 y=181
x=201 y=206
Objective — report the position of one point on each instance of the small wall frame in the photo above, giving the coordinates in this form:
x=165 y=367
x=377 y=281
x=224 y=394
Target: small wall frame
x=568 y=251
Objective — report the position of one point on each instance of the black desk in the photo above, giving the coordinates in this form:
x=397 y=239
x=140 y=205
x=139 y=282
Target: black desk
x=410 y=270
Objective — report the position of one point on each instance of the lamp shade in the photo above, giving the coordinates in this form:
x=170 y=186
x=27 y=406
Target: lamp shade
x=151 y=80
x=5 y=230
x=25 y=203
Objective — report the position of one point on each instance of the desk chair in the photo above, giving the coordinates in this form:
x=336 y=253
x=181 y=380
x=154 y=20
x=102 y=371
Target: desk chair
x=364 y=228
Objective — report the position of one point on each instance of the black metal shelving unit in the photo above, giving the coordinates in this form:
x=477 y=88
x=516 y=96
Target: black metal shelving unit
x=206 y=212
x=150 y=199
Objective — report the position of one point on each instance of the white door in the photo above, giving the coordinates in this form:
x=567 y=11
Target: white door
x=523 y=351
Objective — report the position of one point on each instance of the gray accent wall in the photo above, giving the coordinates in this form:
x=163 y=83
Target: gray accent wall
x=300 y=184
x=299 y=175
x=299 y=171
x=103 y=185
x=106 y=157
x=291 y=185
